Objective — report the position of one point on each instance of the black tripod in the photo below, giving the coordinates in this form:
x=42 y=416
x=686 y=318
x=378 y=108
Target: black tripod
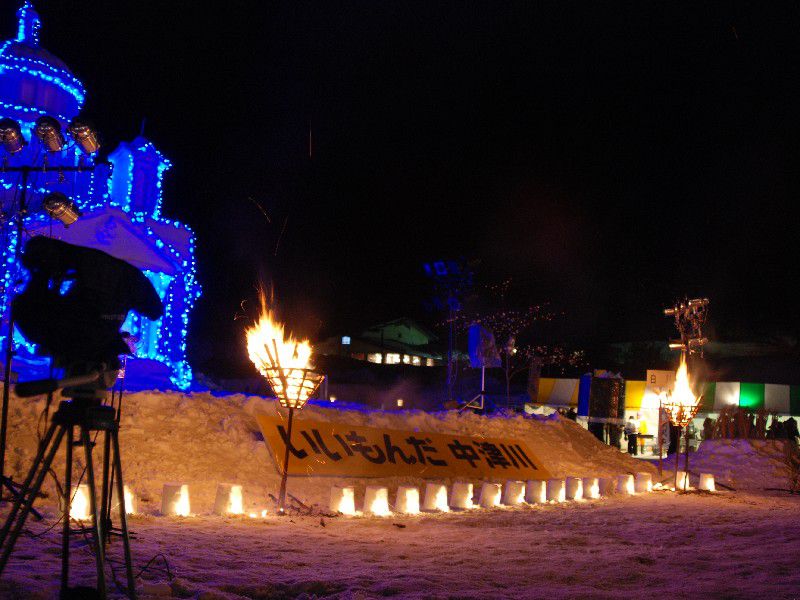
x=86 y=413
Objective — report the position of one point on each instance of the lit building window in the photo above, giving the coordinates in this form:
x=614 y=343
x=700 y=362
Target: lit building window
x=428 y=362
x=392 y=358
x=399 y=403
x=406 y=359
x=416 y=361
x=375 y=357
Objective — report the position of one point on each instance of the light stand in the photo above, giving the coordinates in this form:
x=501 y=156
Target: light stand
x=690 y=316
x=25 y=171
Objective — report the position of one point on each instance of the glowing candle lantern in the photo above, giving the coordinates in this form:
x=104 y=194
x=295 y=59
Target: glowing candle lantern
x=643 y=483
x=682 y=481
x=536 y=491
x=343 y=500
x=591 y=488
x=608 y=485
x=80 y=507
x=228 y=500
x=513 y=493
x=130 y=501
x=490 y=494
x=461 y=495
x=175 y=500
x=435 y=498
x=407 y=500
x=376 y=501
x=556 y=491
x=707 y=482
x=625 y=485
x=573 y=488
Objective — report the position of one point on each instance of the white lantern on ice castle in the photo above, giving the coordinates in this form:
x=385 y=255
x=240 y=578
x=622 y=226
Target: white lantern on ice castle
x=121 y=207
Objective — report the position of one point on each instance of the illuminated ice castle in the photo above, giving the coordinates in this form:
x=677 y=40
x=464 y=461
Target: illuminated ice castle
x=120 y=205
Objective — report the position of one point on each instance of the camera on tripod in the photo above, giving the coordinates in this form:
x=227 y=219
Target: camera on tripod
x=74 y=304
x=72 y=307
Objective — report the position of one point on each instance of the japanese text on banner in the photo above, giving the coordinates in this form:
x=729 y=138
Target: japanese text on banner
x=323 y=448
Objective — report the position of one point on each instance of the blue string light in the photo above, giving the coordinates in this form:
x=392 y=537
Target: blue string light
x=134 y=186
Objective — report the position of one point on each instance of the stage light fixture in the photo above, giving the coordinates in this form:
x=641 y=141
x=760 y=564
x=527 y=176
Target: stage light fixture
x=48 y=130
x=11 y=136
x=58 y=206
x=85 y=136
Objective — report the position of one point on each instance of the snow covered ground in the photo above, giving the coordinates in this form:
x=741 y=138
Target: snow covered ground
x=741 y=544
x=725 y=545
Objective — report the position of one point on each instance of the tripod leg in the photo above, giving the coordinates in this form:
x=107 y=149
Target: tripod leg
x=67 y=505
x=28 y=480
x=123 y=517
x=97 y=526
x=24 y=505
x=105 y=502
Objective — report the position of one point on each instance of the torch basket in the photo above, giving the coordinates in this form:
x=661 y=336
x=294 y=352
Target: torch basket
x=292 y=386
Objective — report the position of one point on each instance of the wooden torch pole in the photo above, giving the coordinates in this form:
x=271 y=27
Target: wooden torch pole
x=677 y=458
x=282 y=495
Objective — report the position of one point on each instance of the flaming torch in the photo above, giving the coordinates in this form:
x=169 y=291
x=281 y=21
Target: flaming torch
x=286 y=364
x=681 y=406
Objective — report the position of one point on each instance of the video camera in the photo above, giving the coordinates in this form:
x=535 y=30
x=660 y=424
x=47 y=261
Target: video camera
x=76 y=300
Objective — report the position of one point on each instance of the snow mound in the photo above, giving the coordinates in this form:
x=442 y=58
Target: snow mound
x=743 y=464
x=203 y=439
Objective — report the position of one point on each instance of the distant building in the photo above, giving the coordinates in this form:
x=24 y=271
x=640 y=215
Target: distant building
x=402 y=341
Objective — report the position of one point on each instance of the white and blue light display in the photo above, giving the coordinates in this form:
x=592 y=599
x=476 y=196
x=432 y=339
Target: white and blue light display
x=120 y=202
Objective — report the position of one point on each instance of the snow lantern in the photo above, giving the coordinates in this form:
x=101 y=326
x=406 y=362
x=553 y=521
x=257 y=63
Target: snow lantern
x=376 y=501
x=625 y=484
x=407 y=500
x=555 y=490
x=228 y=500
x=536 y=491
x=130 y=501
x=591 y=488
x=682 y=480
x=513 y=493
x=80 y=507
x=461 y=495
x=643 y=483
x=343 y=500
x=490 y=494
x=707 y=482
x=608 y=485
x=435 y=497
x=175 y=500
x=573 y=488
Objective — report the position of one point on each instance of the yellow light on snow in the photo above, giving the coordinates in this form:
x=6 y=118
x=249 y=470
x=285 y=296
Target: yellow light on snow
x=79 y=509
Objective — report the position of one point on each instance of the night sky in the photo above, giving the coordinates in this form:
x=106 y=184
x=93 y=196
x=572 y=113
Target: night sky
x=610 y=160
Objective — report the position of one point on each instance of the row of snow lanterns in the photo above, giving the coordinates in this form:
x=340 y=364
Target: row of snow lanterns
x=174 y=501
x=230 y=500
x=511 y=493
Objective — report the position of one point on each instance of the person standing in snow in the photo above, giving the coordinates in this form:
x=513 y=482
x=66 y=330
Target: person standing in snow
x=641 y=431
x=790 y=428
x=708 y=428
x=630 y=433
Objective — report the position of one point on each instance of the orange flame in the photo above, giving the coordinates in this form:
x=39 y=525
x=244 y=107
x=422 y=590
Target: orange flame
x=279 y=356
x=682 y=401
